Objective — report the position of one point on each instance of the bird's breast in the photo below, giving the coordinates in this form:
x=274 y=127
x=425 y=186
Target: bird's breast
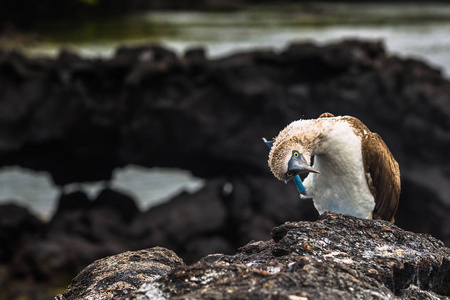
x=341 y=185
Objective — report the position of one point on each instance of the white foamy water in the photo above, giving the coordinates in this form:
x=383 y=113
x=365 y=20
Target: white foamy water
x=34 y=190
x=149 y=187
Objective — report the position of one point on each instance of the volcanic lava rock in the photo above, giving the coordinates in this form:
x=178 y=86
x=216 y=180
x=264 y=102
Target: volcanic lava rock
x=186 y=223
x=116 y=276
x=80 y=232
x=123 y=204
x=17 y=224
x=336 y=257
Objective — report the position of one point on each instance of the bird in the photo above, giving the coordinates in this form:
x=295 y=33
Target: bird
x=350 y=170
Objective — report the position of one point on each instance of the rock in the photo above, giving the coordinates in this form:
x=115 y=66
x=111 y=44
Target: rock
x=72 y=201
x=146 y=53
x=80 y=232
x=185 y=219
x=257 y=203
x=122 y=204
x=195 y=55
x=336 y=257
x=378 y=249
x=116 y=276
x=226 y=212
x=423 y=184
x=17 y=225
x=103 y=221
x=207 y=244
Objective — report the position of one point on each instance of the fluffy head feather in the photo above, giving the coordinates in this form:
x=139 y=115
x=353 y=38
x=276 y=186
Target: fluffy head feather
x=303 y=136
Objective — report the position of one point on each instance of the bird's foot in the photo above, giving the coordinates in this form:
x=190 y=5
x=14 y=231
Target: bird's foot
x=305 y=197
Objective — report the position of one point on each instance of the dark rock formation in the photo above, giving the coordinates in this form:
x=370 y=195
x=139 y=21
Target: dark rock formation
x=122 y=204
x=77 y=236
x=17 y=225
x=182 y=223
x=337 y=257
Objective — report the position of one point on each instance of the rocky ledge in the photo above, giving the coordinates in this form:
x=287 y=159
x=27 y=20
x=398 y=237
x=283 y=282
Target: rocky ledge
x=336 y=257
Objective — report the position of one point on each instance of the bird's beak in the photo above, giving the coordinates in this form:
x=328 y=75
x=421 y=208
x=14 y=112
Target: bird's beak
x=299 y=165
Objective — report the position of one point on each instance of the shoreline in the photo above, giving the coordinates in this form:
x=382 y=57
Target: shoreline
x=411 y=31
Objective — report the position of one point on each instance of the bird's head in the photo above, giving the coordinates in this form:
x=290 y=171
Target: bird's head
x=290 y=158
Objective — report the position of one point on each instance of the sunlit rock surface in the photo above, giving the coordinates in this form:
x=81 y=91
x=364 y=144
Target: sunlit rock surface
x=116 y=276
x=336 y=257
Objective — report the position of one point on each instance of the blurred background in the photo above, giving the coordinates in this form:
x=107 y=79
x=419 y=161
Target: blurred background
x=133 y=124
x=94 y=28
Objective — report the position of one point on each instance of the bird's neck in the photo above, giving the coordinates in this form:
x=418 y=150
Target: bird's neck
x=336 y=140
x=339 y=152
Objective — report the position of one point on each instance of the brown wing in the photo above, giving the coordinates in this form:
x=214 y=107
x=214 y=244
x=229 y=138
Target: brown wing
x=385 y=176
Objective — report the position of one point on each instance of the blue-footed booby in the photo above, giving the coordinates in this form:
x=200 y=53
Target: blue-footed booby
x=353 y=172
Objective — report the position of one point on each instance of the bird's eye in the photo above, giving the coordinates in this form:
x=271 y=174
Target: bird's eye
x=296 y=154
x=289 y=174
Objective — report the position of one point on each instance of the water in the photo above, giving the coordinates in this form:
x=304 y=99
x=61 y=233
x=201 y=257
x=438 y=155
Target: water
x=34 y=190
x=417 y=30
x=150 y=187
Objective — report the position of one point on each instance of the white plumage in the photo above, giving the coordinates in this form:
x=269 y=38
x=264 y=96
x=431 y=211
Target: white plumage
x=341 y=185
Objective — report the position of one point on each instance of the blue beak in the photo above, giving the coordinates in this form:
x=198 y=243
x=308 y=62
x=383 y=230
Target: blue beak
x=299 y=184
